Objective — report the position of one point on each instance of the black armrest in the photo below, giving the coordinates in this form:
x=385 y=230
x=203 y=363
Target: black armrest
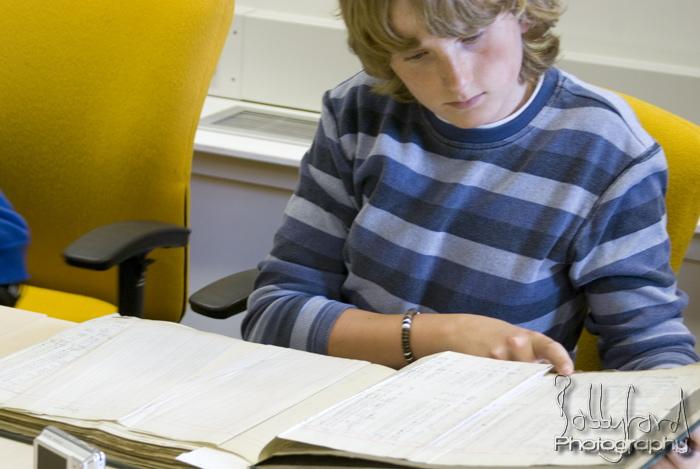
x=225 y=297
x=112 y=244
x=125 y=244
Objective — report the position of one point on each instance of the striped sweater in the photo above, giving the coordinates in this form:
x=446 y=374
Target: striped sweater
x=552 y=221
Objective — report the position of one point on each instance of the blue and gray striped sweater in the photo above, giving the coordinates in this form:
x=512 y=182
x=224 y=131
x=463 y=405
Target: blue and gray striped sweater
x=555 y=213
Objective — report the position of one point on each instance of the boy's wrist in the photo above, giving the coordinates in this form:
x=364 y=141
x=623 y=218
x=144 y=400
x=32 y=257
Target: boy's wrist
x=433 y=333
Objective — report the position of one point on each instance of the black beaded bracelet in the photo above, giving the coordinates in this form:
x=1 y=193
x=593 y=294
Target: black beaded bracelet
x=406 y=324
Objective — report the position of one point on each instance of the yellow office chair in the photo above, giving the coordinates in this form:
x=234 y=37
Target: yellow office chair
x=680 y=140
x=99 y=105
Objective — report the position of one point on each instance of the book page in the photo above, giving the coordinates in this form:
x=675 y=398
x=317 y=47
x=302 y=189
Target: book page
x=213 y=459
x=20 y=372
x=164 y=379
x=591 y=408
x=106 y=368
x=226 y=401
x=251 y=443
x=20 y=329
x=408 y=415
x=519 y=430
x=13 y=319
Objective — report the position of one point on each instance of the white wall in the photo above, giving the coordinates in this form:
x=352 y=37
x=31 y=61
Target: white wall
x=319 y=8
x=662 y=31
x=655 y=31
x=648 y=48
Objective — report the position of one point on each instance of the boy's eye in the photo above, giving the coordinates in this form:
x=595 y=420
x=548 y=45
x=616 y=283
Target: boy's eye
x=471 y=39
x=415 y=57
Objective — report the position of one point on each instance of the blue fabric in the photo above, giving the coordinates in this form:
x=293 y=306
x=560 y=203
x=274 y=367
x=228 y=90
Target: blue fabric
x=14 y=237
x=558 y=212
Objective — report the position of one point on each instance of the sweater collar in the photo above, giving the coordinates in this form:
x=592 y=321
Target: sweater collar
x=501 y=132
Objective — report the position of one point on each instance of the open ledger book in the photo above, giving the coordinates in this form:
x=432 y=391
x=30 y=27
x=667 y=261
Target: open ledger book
x=146 y=391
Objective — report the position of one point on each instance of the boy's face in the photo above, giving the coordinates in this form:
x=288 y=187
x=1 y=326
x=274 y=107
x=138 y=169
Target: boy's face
x=468 y=81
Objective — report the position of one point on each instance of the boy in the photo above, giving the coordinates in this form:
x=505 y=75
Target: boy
x=14 y=237
x=462 y=176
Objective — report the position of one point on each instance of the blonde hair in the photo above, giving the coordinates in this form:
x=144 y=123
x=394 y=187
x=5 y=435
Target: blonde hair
x=372 y=38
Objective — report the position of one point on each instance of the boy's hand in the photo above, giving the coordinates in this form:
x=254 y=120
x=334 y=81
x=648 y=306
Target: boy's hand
x=376 y=337
x=689 y=460
x=488 y=337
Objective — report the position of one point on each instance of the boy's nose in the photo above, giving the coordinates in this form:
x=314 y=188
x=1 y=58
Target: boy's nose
x=454 y=73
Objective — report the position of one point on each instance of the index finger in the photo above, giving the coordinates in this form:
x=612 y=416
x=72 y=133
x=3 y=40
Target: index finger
x=553 y=352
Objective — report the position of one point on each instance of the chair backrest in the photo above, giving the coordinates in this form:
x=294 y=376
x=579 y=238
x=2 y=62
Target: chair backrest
x=99 y=104
x=680 y=140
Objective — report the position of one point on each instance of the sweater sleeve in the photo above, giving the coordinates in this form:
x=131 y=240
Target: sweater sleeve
x=621 y=260
x=14 y=237
x=298 y=291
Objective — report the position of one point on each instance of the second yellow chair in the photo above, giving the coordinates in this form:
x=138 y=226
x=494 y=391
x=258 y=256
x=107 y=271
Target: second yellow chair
x=100 y=104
